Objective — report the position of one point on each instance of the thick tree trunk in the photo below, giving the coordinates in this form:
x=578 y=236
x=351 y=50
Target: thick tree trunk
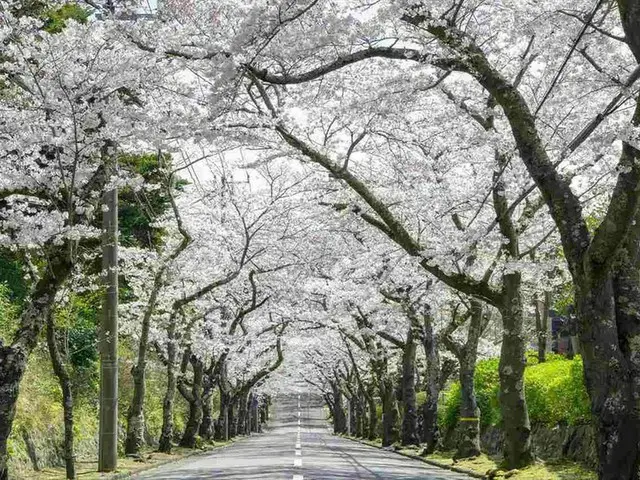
x=254 y=413
x=135 y=415
x=390 y=432
x=192 y=428
x=13 y=358
x=361 y=421
x=206 y=426
x=166 y=437
x=430 y=434
x=353 y=416
x=242 y=414
x=61 y=372
x=221 y=432
x=232 y=417
x=469 y=426
x=373 y=414
x=339 y=418
x=515 y=417
x=410 y=415
x=608 y=373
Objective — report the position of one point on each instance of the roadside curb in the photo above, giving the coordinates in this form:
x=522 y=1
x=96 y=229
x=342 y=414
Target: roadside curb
x=433 y=463
x=195 y=453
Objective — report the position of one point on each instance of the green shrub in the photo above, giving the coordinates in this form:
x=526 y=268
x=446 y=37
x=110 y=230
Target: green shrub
x=554 y=390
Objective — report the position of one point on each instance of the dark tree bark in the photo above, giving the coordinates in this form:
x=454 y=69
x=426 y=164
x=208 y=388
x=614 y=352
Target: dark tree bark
x=337 y=409
x=469 y=422
x=542 y=325
x=390 y=414
x=410 y=414
x=513 y=404
x=430 y=433
x=166 y=436
x=254 y=413
x=232 y=418
x=14 y=357
x=206 y=426
x=221 y=432
x=372 y=427
x=135 y=416
x=60 y=369
x=243 y=402
x=193 y=396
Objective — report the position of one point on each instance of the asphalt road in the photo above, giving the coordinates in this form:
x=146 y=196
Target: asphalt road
x=298 y=445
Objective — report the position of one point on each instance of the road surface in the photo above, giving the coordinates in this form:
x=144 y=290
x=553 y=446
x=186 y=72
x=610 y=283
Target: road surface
x=298 y=445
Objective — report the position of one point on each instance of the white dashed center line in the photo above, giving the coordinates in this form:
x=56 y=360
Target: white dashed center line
x=297 y=461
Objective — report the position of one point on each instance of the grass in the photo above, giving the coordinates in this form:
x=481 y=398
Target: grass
x=89 y=470
x=484 y=464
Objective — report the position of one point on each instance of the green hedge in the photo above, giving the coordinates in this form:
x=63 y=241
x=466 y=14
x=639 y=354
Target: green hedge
x=555 y=393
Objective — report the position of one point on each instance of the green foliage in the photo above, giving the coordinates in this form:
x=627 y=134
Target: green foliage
x=12 y=276
x=555 y=393
x=564 y=298
x=139 y=209
x=9 y=313
x=56 y=18
x=78 y=321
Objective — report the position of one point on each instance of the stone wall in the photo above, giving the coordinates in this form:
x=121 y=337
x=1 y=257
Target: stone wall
x=576 y=443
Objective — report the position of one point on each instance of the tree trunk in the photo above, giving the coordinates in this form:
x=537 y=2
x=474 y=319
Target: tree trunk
x=13 y=358
x=166 y=437
x=61 y=372
x=192 y=428
x=515 y=417
x=221 y=432
x=430 y=434
x=373 y=415
x=135 y=415
x=353 y=416
x=390 y=414
x=254 y=402
x=206 y=426
x=339 y=418
x=243 y=401
x=542 y=325
x=232 y=419
x=608 y=352
x=410 y=415
x=469 y=426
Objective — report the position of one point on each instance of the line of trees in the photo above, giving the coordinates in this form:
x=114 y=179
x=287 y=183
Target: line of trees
x=393 y=177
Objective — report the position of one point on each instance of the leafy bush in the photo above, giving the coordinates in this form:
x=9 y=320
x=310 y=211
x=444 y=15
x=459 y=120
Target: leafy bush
x=554 y=389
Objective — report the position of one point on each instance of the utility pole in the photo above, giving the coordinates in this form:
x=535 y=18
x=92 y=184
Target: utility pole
x=108 y=438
